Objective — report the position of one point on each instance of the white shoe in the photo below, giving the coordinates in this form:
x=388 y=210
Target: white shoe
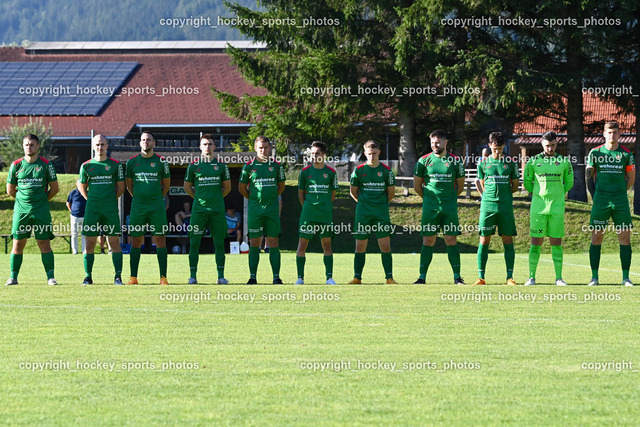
x=530 y=282
x=561 y=282
x=52 y=282
x=300 y=282
x=222 y=281
x=593 y=282
x=11 y=282
x=330 y=281
x=627 y=282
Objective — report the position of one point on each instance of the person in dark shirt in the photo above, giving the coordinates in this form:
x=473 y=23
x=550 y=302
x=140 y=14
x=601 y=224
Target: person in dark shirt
x=76 y=205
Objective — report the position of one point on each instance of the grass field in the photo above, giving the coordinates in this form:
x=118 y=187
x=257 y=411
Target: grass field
x=323 y=355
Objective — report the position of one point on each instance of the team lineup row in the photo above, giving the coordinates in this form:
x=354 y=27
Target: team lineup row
x=438 y=180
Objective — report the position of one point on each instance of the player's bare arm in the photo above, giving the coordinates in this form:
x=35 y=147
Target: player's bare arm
x=631 y=178
x=119 y=189
x=166 y=183
x=83 y=189
x=353 y=191
x=418 y=183
x=226 y=187
x=459 y=185
x=242 y=189
x=301 y=196
x=11 y=190
x=129 y=185
x=333 y=196
x=480 y=186
x=280 y=188
x=514 y=185
x=391 y=193
x=53 y=190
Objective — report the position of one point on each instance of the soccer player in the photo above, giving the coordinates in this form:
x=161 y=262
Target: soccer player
x=438 y=178
x=498 y=178
x=613 y=169
x=101 y=183
x=32 y=182
x=547 y=176
x=262 y=181
x=208 y=181
x=317 y=186
x=373 y=186
x=148 y=179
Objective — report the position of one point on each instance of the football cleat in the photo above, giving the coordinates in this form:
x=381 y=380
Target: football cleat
x=192 y=281
x=252 y=281
x=300 y=281
x=356 y=281
x=277 y=281
x=132 y=280
x=530 y=282
x=163 y=280
x=222 y=281
x=52 y=282
x=118 y=281
x=87 y=281
x=627 y=282
x=458 y=281
x=479 y=282
x=390 y=281
x=330 y=281
x=11 y=282
x=511 y=282
x=419 y=282
x=561 y=282
x=594 y=282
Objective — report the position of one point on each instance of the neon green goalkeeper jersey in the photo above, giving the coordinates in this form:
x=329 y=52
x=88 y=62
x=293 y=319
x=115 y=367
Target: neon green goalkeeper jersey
x=548 y=178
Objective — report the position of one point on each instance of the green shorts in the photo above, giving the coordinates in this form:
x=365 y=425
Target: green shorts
x=37 y=221
x=367 y=226
x=148 y=220
x=263 y=221
x=216 y=222
x=440 y=219
x=308 y=229
x=546 y=226
x=505 y=222
x=610 y=207
x=97 y=222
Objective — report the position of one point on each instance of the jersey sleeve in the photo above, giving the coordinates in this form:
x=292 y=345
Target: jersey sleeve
x=528 y=176
x=281 y=177
x=190 y=175
x=459 y=168
x=391 y=179
x=51 y=173
x=245 y=174
x=120 y=175
x=84 y=176
x=591 y=159
x=418 y=170
x=515 y=171
x=631 y=164
x=165 y=169
x=13 y=174
x=355 y=179
x=129 y=169
x=568 y=175
x=226 y=175
x=302 y=180
x=334 y=182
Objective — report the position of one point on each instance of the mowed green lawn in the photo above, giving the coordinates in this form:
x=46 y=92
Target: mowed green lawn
x=317 y=354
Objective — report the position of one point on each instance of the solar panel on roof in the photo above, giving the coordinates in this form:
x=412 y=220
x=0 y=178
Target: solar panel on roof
x=60 y=88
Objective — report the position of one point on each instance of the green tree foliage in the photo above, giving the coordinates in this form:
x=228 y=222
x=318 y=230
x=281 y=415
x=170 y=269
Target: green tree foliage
x=11 y=141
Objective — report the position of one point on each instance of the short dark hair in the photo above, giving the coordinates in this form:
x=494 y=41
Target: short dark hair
x=549 y=136
x=612 y=125
x=371 y=143
x=496 y=138
x=32 y=137
x=208 y=136
x=320 y=145
x=438 y=133
x=148 y=133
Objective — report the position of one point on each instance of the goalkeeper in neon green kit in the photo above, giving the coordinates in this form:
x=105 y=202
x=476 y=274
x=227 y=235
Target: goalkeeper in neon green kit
x=547 y=176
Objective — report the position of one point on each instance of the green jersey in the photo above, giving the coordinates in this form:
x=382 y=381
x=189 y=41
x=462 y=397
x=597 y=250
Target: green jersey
x=102 y=178
x=611 y=169
x=497 y=175
x=318 y=184
x=147 y=175
x=207 y=178
x=439 y=174
x=262 y=180
x=548 y=178
x=31 y=181
x=372 y=186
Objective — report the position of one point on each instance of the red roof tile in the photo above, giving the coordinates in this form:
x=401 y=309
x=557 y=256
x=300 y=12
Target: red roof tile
x=173 y=72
